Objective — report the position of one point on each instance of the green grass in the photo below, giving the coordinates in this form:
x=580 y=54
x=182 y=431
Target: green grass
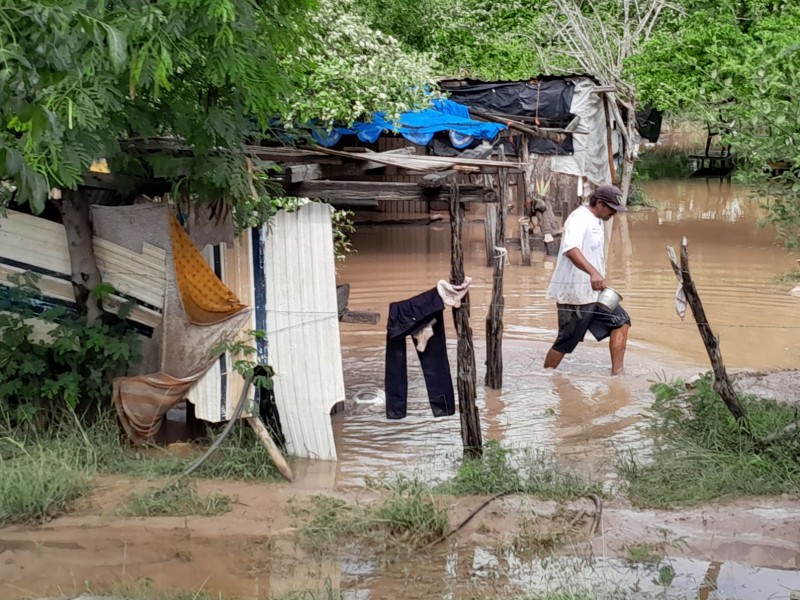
x=638 y=197
x=408 y=516
x=661 y=163
x=792 y=276
x=179 y=498
x=144 y=590
x=701 y=454
x=100 y=448
x=43 y=473
x=35 y=487
x=504 y=471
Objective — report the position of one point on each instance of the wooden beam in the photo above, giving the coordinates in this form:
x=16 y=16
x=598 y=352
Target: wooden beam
x=494 y=317
x=360 y=191
x=272 y=448
x=438 y=179
x=312 y=171
x=365 y=317
x=532 y=130
x=525 y=244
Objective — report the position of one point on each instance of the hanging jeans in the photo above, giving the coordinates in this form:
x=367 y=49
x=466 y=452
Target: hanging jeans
x=407 y=318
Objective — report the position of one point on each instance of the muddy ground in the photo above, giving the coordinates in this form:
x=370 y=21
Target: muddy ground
x=252 y=552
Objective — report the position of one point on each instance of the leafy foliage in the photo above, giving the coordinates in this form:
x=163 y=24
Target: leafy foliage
x=82 y=80
x=468 y=38
x=52 y=361
x=736 y=65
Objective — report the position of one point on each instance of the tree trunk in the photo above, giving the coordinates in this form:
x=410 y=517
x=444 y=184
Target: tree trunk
x=75 y=215
x=466 y=376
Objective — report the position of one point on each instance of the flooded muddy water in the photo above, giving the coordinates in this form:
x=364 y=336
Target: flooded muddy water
x=577 y=412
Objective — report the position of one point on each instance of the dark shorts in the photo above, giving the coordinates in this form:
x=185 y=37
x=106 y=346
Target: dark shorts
x=575 y=320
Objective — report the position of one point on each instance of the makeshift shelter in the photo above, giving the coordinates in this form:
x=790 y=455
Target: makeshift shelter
x=191 y=285
x=560 y=128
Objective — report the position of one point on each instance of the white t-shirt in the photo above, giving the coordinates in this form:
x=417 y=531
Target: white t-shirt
x=569 y=284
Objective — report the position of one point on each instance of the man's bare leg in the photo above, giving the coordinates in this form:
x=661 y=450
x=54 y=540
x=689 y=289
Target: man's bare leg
x=617 y=345
x=553 y=359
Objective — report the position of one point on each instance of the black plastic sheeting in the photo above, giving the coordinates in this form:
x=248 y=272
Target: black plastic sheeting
x=648 y=123
x=548 y=100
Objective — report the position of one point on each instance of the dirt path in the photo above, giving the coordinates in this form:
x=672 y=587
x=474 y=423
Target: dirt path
x=251 y=551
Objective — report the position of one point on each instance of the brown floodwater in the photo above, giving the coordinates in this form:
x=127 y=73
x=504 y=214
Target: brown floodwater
x=579 y=412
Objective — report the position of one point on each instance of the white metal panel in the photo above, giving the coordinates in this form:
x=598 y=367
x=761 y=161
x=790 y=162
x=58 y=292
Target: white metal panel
x=303 y=327
x=216 y=394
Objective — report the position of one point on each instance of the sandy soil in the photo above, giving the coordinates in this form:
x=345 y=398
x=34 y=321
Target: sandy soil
x=783 y=386
x=251 y=552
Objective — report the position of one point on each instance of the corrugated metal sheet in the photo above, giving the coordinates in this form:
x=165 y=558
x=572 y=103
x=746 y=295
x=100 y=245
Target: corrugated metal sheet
x=303 y=328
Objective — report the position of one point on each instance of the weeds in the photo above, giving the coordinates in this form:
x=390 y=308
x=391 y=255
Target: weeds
x=41 y=473
x=179 y=498
x=35 y=487
x=700 y=453
x=643 y=554
x=662 y=163
x=408 y=515
x=502 y=471
x=638 y=197
x=792 y=276
x=327 y=593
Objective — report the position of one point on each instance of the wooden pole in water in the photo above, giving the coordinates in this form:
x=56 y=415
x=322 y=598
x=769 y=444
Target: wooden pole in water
x=527 y=204
x=722 y=383
x=465 y=377
x=489 y=227
x=494 y=318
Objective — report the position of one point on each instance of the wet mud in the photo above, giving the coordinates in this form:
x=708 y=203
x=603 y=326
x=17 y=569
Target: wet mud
x=749 y=549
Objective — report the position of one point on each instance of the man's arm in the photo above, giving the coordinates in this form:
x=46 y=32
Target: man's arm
x=579 y=260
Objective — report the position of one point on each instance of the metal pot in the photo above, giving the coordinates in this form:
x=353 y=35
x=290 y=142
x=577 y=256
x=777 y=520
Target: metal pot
x=609 y=299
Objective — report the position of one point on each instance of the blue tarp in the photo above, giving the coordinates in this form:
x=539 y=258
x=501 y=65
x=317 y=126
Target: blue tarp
x=419 y=126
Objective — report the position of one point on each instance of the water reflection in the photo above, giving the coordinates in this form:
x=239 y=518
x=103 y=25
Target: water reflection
x=474 y=572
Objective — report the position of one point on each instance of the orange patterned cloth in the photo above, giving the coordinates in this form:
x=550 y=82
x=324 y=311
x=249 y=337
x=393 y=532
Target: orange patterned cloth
x=206 y=300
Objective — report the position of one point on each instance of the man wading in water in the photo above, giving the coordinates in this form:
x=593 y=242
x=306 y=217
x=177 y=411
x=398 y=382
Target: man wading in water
x=580 y=276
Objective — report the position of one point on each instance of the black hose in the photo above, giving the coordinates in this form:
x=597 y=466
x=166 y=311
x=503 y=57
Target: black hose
x=228 y=427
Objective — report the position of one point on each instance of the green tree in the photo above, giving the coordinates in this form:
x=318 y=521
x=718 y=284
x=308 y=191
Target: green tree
x=736 y=65
x=518 y=40
x=82 y=80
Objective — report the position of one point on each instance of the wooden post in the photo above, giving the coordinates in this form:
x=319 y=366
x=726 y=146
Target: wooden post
x=612 y=169
x=527 y=203
x=489 y=227
x=494 y=318
x=274 y=452
x=525 y=242
x=465 y=378
x=722 y=383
